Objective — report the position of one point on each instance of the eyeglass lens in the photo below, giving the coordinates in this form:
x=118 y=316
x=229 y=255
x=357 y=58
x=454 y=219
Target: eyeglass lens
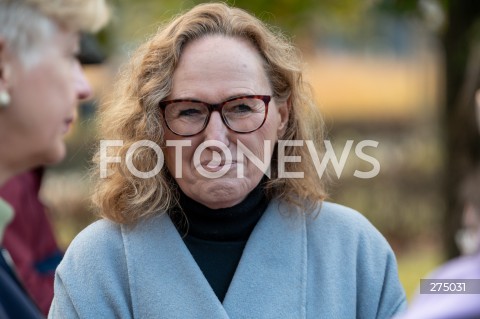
x=241 y=115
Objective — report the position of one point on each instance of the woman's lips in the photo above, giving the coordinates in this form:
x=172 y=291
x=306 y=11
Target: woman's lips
x=68 y=123
x=216 y=168
x=216 y=164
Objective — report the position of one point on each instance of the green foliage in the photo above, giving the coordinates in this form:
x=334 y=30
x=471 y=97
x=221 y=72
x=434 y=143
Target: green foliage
x=290 y=15
x=416 y=265
x=398 y=6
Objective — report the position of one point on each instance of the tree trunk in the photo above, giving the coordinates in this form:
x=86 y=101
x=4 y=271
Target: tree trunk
x=462 y=59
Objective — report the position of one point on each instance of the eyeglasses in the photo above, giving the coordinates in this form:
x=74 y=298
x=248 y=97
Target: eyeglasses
x=243 y=114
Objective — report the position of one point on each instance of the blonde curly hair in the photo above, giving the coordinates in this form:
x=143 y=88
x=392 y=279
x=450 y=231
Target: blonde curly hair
x=133 y=114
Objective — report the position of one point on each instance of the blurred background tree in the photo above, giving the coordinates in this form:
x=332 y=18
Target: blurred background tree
x=462 y=64
x=457 y=24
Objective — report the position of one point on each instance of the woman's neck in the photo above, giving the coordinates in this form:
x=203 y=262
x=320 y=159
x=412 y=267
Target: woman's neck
x=226 y=224
x=5 y=174
x=9 y=167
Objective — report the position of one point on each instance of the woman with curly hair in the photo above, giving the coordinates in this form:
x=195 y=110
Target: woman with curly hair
x=234 y=225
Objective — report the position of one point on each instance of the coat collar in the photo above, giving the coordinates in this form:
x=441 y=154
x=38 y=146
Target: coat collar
x=270 y=280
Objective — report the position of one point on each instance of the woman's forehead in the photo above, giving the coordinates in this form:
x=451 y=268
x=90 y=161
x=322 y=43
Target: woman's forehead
x=217 y=49
x=220 y=63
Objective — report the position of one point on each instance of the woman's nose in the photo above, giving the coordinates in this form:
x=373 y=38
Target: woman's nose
x=82 y=87
x=216 y=129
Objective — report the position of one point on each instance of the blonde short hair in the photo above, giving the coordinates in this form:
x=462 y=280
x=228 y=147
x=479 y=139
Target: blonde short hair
x=134 y=115
x=84 y=15
x=25 y=24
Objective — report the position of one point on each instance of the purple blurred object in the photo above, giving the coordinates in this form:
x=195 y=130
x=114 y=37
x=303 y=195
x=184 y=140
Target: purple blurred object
x=449 y=306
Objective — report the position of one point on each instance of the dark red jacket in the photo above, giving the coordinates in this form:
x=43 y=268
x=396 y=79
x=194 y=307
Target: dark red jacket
x=29 y=237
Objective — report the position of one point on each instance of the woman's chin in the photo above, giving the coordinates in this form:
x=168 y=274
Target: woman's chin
x=218 y=193
x=223 y=203
x=55 y=154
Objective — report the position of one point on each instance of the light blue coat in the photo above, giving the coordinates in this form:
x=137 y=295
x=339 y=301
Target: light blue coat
x=332 y=264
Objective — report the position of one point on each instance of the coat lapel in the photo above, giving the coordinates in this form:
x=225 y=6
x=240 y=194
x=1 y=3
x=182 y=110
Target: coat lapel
x=270 y=280
x=165 y=281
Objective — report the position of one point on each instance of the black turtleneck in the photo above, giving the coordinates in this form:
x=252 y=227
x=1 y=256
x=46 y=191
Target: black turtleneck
x=216 y=237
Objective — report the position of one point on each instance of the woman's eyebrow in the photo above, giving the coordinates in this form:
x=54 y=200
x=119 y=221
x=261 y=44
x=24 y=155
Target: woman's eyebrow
x=230 y=97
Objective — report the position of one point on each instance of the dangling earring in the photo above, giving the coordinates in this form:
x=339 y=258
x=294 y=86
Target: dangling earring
x=4 y=99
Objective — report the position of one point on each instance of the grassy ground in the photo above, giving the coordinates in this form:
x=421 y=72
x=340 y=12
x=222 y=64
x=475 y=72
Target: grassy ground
x=416 y=264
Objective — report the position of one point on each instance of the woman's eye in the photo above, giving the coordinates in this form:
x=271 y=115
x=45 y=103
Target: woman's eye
x=74 y=54
x=241 y=108
x=189 y=112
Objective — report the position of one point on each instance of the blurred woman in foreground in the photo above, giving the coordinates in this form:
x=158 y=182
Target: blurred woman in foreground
x=41 y=82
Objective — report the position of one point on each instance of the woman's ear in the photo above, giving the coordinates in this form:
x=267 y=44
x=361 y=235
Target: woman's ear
x=284 y=111
x=3 y=65
x=5 y=61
